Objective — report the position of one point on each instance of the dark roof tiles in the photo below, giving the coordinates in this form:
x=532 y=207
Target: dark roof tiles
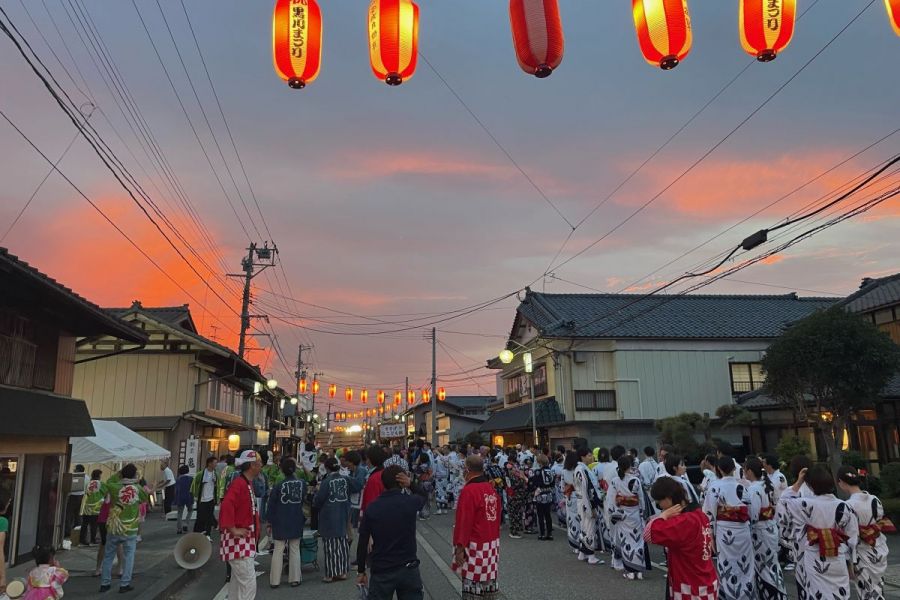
x=874 y=294
x=666 y=317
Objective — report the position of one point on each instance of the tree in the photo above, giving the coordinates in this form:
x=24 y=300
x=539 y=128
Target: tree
x=827 y=366
x=733 y=415
x=681 y=431
x=474 y=439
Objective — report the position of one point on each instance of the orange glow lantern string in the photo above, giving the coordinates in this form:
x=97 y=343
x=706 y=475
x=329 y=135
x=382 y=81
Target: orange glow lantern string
x=315 y=386
x=393 y=28
x=348 y=394
x=303 y=386
x=380 y=396
x=332 y=390
x=442 y=394
x=297 y=41
x=537 y=35
x=364 y=396
x=766 y=26
x=893 y=11
x=663 y=31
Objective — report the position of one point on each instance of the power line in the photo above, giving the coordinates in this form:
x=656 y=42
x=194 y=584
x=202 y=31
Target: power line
x=713 y=148
x=496 y=141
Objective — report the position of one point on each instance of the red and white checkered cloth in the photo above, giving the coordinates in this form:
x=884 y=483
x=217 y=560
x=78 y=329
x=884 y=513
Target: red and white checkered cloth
x=482 y=563
x=689 y=592
x=232 y=548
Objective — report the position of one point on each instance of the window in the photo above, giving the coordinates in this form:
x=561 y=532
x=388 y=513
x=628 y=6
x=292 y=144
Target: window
x=746 y=377
x=225 y=398
x=519 y=387
x=595 y=400
x=884 y=316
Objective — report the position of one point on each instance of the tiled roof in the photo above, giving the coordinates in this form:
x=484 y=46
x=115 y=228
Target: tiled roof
x=666 y=317
x=91 y=319
x=759 y=399
x=178 y=316
x=519 y=417
x=874 y=294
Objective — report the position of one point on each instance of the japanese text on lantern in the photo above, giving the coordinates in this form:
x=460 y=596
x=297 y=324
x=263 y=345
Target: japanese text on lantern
x=773 y=10
x=373 y=25
x=298 y=28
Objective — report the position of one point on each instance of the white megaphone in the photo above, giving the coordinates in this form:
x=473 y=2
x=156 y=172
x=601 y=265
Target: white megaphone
x=192 y=551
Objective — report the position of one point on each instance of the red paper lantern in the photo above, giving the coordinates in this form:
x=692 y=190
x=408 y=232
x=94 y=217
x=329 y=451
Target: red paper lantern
x=426 y=396
x=380 y=396
x=893 y=11
x=398 y=398
x=297 y=41
x=393 y=27
x=663 y=31
x=442 y=394
x=537 y=35
x=766 y=26
x=411 y=397
x=348 y=394
x=332 y=390
x=364 y=396
x=315 y=386
x=302 y=386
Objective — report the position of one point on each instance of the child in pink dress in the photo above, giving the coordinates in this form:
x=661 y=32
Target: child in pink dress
x=46 y=580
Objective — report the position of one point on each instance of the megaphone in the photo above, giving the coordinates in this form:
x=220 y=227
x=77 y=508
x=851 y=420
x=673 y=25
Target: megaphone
x=192 y=551
x=15 y=588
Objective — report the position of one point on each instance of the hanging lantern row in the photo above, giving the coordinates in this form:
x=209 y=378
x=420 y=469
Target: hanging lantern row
x=663 y=30
x=380 y=395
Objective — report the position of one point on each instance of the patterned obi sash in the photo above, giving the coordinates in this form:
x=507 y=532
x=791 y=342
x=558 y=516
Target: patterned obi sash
x=735 y=514
x=828 y=540
x=767 y=513
x=869 y=533
x=626 y=500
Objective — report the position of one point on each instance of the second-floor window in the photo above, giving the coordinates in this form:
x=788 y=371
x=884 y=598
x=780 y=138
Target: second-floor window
x=595 y=400
x=224 y=397
x=746 y=377
x=519 y=387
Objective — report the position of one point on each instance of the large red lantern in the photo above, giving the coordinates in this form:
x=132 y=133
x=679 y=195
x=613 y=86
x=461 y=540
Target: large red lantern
x=332 y=390
x=380 y=396
x=303 y=386
x=315 y=386
x=398 y=398
x=393 y=27
x=348 y=394
x=297 y=41
x=364 y=396
x=766 y=26
x=426 y=396
x=893 y=10
x=442 y=394
x=663 y=30
x=537 y=35
x=411 y=397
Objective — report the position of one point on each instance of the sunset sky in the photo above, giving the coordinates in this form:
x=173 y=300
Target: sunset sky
x=395 y=201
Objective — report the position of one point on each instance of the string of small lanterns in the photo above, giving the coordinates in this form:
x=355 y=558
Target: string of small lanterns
x=305 y=386
x=663 y=30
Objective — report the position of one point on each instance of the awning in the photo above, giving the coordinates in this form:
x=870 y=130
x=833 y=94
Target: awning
x=114 y=442
x=44 y=414
x=546 y=411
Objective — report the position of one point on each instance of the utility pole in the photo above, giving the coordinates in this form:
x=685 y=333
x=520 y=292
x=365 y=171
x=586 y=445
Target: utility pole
x=434 y=400
x=256 y=261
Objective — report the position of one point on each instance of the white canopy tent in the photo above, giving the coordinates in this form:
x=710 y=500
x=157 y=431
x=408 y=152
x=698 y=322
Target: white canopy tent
x=115 y=443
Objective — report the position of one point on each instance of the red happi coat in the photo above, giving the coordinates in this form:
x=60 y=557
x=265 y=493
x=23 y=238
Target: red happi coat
x=688 y=537
x=238 y=510
x=477 y=529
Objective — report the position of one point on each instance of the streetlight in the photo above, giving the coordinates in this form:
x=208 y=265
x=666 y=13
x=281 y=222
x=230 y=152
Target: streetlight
x=271 y=384
x=506 y=356
x=529 y=368
x=293 y=400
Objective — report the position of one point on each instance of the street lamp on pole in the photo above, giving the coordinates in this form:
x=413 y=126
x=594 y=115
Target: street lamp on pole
x=529 y=368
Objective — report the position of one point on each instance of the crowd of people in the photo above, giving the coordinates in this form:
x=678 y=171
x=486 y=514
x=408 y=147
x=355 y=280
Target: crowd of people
x=730 y=536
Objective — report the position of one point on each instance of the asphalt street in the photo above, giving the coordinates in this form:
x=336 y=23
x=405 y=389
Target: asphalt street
x=529 y=570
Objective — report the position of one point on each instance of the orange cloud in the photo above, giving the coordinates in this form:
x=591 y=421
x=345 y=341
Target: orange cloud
x=735 y=186
x=419 y=163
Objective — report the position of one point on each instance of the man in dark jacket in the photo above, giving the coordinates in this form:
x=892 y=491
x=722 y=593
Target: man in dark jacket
x=390 y=521
x=286 y=520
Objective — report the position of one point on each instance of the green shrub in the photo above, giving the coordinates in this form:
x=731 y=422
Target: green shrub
x=790 y=446
x=890 y=480
x=873 y=485
x=854 y=459
x=892 y=508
